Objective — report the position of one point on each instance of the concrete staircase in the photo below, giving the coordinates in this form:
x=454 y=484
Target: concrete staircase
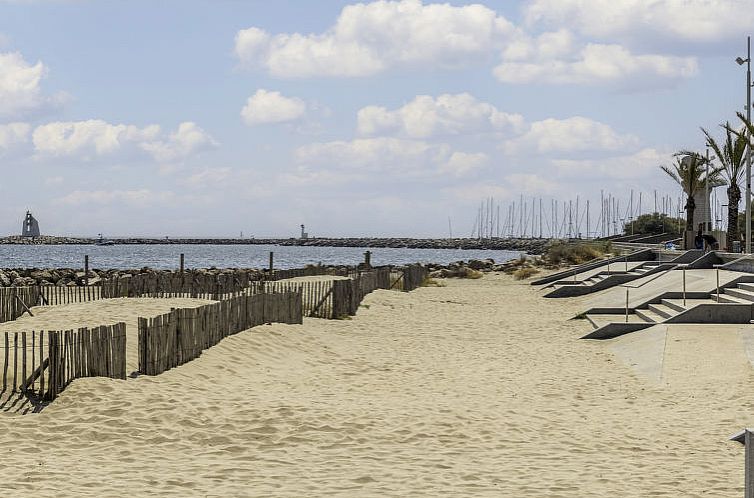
x=735 y=304
x=605 y=279
x=742 y=293
x=651 y=313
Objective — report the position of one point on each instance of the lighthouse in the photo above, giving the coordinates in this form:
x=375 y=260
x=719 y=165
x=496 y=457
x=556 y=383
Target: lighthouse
x=30 y=227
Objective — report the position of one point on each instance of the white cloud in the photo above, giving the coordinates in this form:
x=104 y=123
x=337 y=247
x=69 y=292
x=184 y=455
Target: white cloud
x=575 y=134
x=365 y=157
x=91 y=137
x=447 y=114
x=642 y=164
x=685 y=21
x=462 y=164
x=271 y=107
x=187 y=140
x=594 y=64
x=370 y=38
x=20 y=90
x=95 y=137
x=13 y=134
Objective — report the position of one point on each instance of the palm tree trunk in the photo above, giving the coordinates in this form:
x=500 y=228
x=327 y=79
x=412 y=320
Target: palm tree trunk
x=690 y=207
x=734 y=198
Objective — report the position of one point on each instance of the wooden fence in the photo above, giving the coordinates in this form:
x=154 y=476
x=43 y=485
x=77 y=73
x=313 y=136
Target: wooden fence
x=40 y=364
x=413 y=277
x=316 y=296
x=331 y=298
x=198 y=285
x=15 y=301
x=348 y=294
x=55 y=294
x=309 y=271
x=180 y=336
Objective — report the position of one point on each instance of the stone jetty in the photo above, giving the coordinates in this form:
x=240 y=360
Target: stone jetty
x=531 y=246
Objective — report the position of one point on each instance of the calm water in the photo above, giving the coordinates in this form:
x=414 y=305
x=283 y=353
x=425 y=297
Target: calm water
x=223 y=256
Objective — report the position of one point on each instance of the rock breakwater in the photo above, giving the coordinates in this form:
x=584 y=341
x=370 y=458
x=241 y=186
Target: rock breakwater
x=531 y=246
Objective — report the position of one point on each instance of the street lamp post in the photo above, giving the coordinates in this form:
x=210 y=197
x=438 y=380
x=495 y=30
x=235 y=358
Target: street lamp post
x=740 y=62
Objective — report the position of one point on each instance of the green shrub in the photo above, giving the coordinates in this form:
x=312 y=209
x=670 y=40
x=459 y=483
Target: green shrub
x=559 y=252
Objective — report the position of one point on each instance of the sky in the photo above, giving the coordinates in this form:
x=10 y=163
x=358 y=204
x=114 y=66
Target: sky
x=386 y=118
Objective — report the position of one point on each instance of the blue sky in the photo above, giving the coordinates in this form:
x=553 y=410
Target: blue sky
x=383 y=118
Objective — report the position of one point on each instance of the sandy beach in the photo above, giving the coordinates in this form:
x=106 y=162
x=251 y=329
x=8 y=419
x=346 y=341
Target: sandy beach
x=478 y=388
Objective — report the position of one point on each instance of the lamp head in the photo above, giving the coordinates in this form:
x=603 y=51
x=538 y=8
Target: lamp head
x=740 y=61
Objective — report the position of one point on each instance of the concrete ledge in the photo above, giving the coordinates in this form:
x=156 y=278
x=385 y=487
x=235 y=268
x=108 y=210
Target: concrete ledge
x=688 y=257
x=715 y=313
x=705 y=262
x=741 y=263
x=617 y=329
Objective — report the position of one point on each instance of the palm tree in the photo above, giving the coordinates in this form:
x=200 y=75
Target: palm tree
x=688 y=171
x=732 y=157
x=748 y=126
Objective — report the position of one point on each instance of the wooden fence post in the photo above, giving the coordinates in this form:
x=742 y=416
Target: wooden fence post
x=272 y=255
x=86 y=270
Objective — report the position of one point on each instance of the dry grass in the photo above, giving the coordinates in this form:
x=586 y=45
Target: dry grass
x=473 y=274
x=431 y=282
x=524 y=273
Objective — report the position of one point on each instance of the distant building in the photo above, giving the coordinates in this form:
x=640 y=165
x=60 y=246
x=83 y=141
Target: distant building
x=30 y=228
x=304 y=235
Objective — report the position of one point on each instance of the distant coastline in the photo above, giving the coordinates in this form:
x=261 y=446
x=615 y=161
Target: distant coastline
x=531 y=246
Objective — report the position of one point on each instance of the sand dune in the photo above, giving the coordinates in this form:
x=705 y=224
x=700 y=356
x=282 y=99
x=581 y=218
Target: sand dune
x=480 y=388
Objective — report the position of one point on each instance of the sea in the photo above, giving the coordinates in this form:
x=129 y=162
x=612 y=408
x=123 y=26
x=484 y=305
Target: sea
x=167 y=256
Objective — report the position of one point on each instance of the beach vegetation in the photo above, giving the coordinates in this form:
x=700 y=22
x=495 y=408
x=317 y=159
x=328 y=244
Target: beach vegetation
x=561 y=252
x=431 y=282
x=471 y=273
x=525 y=272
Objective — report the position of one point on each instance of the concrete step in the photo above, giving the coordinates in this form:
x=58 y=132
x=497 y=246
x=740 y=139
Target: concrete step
x=663 y=310
x=640 y=270
x=728 y=298
x=599 y=320
x=650 y=316
x=743 y=294
x=677 y=304
x=746 y=286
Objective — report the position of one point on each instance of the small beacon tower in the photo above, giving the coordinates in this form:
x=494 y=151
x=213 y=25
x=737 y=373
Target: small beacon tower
x=30 y=227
